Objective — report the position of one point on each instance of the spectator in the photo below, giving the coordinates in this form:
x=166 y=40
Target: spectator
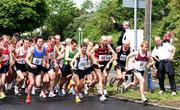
x=122 y=28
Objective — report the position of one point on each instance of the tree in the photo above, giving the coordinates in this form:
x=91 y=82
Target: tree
x=22 y=15
x=87 y=6
x=61 y=15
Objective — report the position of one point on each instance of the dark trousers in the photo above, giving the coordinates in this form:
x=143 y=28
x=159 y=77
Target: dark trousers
x=165 y=66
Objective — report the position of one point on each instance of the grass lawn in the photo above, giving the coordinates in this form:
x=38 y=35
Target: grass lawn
x=133 y=94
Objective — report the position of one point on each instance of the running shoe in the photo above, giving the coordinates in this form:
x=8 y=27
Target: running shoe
x=144 y=99
x=42 y=95
x=72 y=91
x=161 y=92
x=63 y=92
x=173 y=93
x=16 y=91
x=103 y=98
x=33 y=92
x=51 y=94
x=1 y=95
x=28 y=99
x=77 y=100
x=56 y=89
x=60 y=93
x=8 y=86
x=86 y=89
x=106 y=93
x=80 y=95
x=24 y=85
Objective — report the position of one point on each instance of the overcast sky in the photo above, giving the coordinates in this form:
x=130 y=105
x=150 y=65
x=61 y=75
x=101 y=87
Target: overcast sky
x=79 y=2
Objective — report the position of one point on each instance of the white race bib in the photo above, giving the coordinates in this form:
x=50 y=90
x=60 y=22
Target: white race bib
x=37 y=61
x=84 y=64
x=102 y=58
x=123 y=57
x=140 y=65
x=108 y=57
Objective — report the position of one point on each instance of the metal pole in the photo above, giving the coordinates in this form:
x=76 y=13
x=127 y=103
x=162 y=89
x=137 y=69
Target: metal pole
x=79 y=41
x=135 y=23
x=80 y=30
x=82 y=36
x=150 y=25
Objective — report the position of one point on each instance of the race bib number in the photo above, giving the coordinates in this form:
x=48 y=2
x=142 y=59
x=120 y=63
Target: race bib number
x=37 y=61
x=102 y=58
x=123 y=57
x=142 y=66
x=88 y=64
x=84 y=65
x=108 y=57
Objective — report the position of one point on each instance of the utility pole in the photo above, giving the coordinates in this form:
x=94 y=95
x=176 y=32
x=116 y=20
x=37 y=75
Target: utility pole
x=147 y=32
x=135 y=23
x=147 y=23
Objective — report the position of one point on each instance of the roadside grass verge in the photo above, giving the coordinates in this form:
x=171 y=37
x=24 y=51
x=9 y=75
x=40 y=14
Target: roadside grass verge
x=154 y=97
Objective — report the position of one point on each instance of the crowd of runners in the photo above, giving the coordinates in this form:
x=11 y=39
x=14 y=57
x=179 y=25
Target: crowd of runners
x=59 y=68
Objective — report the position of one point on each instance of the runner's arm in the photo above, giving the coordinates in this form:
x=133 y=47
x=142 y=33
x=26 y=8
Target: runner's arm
x=73 y=62
x=28 y=56
x=114 y=55
x=150 y=60
x=67 y=55
x=95 y=61
x=130 y=56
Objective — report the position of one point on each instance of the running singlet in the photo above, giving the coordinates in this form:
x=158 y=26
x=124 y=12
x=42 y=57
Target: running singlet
x=122 y=56
x=71 y=55
x=21 y=55
x=83 y=63
x=37 y=58
x=5 y=57
x=51 y=53
x=103 y=55
x=140 y=62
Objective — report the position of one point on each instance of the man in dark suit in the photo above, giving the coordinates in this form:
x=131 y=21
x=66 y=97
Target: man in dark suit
x=120 y=27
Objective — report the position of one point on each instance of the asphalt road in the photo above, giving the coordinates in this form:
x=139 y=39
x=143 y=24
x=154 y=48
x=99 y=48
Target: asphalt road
x=13 y=102
x=67 y=103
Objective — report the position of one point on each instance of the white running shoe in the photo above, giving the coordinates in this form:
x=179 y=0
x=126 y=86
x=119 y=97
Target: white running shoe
x=8 y=86
x=56 y=89
x=86 y=89
x=161 y=92
x=106 y=93
x=80 y=95
x=144 y=99
x=51 y=94
x=103 y=98
x=24 y=85
x=42 y=95
x=173 y=93
x=16 y=91
x=63 y=92
x=72 y=91
x=33 y=92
